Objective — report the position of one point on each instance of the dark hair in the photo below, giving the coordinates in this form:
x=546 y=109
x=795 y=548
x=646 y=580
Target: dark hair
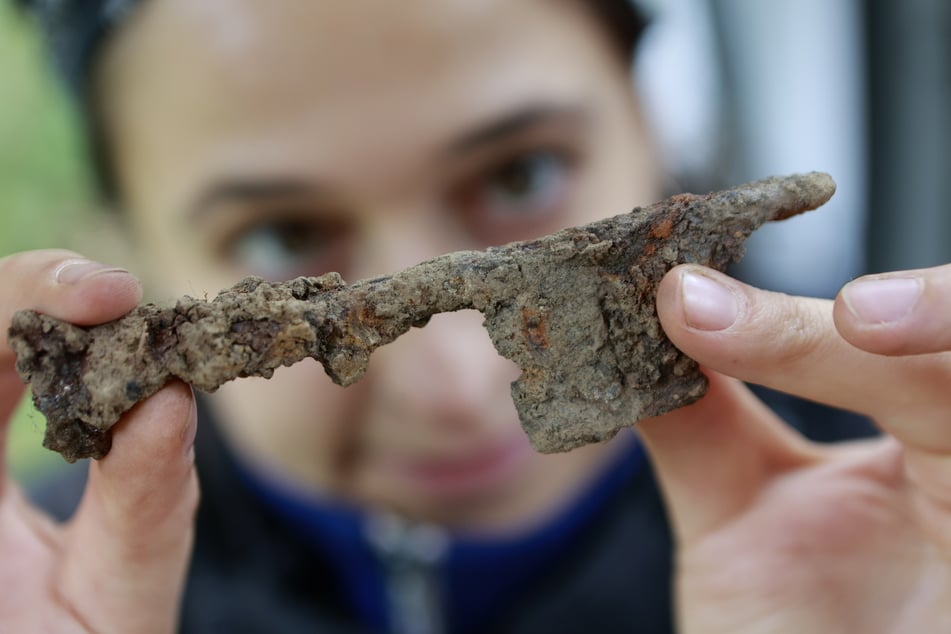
x=624 y=20
x=77 y=30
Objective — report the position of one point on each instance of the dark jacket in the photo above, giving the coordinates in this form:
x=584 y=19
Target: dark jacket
x=252 y=572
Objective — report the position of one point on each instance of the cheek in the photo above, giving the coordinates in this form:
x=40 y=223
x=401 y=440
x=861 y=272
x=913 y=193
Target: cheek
x=623 y=172
x=298 y=423
x=173 y=256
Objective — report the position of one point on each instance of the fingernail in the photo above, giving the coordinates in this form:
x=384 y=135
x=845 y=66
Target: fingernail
x=189 y=432
x=882 y=301
x=708 y=305
x=75 y=270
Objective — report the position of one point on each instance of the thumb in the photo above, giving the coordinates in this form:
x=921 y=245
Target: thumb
x=127 y=547
x=713 y=457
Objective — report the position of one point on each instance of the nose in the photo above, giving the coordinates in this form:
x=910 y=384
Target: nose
x=399 y=236
x=446 y=377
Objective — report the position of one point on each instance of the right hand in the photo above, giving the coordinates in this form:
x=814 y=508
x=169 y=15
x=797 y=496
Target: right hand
x=119 y=564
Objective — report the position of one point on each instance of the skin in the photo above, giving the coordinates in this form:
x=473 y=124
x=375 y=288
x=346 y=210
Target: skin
x=394 y=162
x=798 y=536
x=391 y=162
x=390 y=154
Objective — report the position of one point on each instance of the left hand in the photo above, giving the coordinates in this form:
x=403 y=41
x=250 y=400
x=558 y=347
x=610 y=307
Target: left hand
x=778 y=534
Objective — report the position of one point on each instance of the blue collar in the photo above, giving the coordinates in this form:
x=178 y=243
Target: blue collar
x=480 y=576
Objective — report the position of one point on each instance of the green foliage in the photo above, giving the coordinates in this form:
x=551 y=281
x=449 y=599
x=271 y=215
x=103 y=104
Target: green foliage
x=43 y=186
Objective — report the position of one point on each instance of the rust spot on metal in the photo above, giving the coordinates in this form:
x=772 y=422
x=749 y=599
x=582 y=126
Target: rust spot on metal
x=662 y=229
x=534 y=328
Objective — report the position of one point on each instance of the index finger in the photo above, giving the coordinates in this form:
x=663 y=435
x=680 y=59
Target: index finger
x=901 y=313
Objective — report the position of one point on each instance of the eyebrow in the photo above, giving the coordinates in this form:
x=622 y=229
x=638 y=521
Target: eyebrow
x=249 y=190
x=521 y=120
x=253 y=189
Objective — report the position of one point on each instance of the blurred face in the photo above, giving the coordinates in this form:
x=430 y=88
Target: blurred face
x=290 y=138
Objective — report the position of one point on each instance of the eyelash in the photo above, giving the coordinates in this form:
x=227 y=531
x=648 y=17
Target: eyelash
x=281 y=245
x=494 y=215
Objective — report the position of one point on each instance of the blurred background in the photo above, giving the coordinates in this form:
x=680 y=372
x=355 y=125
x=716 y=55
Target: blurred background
x=44 y=196
x=740 y=89
x=734 y=90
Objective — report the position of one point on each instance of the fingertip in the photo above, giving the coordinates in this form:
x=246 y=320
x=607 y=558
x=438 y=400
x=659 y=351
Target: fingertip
x=896 y=313
x=149 y=468
x=65 y=285
x=697 y=301
x=91 y=292
x=159 y=429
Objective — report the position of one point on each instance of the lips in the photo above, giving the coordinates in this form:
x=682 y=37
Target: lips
x=467 y=474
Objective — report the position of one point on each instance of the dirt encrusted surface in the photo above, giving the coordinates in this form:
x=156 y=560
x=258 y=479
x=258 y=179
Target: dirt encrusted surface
x=575 y=310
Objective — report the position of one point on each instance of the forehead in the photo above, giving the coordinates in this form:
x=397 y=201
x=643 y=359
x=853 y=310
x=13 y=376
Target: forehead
x=224 y=82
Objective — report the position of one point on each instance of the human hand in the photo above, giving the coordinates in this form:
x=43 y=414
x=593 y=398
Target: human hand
x=778 y=534
x=119 y=564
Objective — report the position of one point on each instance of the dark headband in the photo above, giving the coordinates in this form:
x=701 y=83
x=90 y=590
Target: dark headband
x=74 y=31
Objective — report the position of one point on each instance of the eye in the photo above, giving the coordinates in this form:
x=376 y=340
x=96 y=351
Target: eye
x=283 y=248
x=519 y=196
